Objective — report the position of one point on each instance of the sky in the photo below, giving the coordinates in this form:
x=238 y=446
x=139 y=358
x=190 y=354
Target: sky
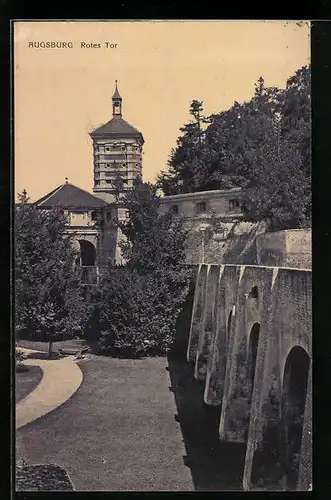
x=62 y=94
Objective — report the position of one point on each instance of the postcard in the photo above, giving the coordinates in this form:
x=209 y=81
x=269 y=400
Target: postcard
x=162 y=255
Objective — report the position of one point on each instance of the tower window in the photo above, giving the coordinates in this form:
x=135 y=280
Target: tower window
x=123 y=148
x=97 y=183
x=201 y=207
x=108 y=165
x=107 y=149
x=123 y=164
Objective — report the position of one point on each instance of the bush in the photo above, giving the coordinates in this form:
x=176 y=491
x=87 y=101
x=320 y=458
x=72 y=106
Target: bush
x=19 y=358
x=137 y=313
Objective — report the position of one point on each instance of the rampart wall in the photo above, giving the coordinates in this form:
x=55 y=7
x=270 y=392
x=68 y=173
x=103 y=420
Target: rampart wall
x=251 y=341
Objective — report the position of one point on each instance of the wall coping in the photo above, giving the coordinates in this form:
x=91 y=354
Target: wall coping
x=255 y=265
x=201 y=194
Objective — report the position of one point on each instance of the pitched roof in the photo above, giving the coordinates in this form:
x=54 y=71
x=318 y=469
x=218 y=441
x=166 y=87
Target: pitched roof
x=70 y=196
x=117 y=128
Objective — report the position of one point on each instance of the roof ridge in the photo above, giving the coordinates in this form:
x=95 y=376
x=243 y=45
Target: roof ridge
x=52 y=193
x=84 y=191
x=72 y=196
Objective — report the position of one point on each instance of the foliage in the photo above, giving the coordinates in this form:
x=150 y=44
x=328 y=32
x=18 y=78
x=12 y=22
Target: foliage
x=19 y=358
x=137 y=313
x=137 y=305
x=262 y=146
x=185 y=160
x=48 y=294
x=154 y=240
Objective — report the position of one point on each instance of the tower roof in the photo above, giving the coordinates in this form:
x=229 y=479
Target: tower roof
x=116 y=94
x=117 y=128
x=70 y=196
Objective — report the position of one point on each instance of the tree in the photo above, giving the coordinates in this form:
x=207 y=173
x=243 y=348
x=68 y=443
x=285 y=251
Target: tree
x=185 y=160
x=262 y=146
x=278 y=179
x=154 y=240
x=138 y=303
x=278 y=194
x=49 y=304
x=296 y=114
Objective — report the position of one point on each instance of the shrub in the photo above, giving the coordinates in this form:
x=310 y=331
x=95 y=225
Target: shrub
x=137 y=313
x=19 y=358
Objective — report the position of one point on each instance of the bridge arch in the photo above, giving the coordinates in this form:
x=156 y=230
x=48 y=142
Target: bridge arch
x=228 y=328
x=254 y=293
x=87 y=253
x=253 y=342
x=252 y=354
x=294 y=392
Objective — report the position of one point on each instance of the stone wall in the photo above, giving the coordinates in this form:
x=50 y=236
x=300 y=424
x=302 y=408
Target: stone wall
x=218 y=234
x=290 y=248
x=223 y=241
x=247 y=324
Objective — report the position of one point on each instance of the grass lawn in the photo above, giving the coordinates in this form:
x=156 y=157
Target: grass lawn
x=117 y=433
x=26 y=381
x=135 y=425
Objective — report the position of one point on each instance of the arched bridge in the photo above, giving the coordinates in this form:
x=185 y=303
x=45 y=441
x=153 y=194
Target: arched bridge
x=251 y=342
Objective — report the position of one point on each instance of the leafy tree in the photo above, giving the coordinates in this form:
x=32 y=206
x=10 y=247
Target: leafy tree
x=138 y=303
x=118 y=186
x=278 y=178
x=49 y=302
x=278 y=194
x=154 y=240
x=296 y=114
x=262 y=146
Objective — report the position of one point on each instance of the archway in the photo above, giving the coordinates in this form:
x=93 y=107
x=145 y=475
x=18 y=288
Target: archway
x=87 y=253
x=251 y=366
x=228 y=329
x=294 y=393
x=254 y=293
x=252 y=354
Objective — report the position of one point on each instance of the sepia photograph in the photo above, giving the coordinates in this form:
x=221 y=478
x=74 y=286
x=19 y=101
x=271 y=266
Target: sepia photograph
x=162 y=255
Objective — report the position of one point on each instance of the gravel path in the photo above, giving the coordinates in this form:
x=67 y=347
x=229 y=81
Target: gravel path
x=61 y=379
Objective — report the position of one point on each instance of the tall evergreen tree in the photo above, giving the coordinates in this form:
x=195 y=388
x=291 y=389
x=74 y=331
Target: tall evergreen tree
x=185 y=160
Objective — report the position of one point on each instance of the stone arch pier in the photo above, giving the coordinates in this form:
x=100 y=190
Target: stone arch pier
x=250 y=344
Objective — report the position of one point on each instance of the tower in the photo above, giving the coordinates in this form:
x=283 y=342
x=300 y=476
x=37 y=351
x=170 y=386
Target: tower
x=117 y=153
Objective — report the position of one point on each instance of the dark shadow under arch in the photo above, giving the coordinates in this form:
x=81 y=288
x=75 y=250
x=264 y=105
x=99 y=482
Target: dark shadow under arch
x=87 y=253
x=228 y=327
x=251 y=366
x=254 y=293
x=252 y=353
x=294 y=392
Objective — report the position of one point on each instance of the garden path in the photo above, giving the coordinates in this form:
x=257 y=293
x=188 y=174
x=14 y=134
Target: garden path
x=61 y=379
